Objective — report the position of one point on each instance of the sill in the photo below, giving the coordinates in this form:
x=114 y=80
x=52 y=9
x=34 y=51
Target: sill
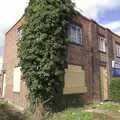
x=102 y=52
x=103 y=63
x=78 y=44
x=75 y=90
x=118 y=56
x=2 y=97
x=16 y=92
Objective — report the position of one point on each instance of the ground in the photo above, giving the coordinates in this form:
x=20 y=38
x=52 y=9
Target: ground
x=8 y=112
x=101 y=111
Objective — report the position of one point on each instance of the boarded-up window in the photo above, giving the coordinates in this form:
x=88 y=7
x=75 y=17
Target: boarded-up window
x=74 y=80
x=104 y=82
x=4 y=85
x=16 y=79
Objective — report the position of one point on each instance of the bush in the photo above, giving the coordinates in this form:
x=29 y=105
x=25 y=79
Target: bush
x=115 y=89
x=4 y=105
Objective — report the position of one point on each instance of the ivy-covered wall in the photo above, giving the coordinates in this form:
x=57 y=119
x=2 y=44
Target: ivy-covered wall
x=43 y=48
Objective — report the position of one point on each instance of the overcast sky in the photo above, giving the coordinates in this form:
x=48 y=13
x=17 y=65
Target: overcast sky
x=105 y=12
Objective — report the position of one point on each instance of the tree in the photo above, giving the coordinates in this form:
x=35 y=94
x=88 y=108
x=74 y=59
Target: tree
x=43 y=47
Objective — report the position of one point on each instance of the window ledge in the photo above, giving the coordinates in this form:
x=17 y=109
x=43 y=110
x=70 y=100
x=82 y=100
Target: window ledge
x=81 y=45
x=102 y=52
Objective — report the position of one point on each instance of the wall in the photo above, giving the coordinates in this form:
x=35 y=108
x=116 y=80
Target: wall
x=10 y=62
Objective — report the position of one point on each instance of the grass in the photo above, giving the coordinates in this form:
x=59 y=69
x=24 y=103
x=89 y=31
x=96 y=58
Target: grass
x=115 y=78
x=4 y=105
x=107 y=106
x=101 y=111
x=114 y=107
x=8 y=112
x=72 y=114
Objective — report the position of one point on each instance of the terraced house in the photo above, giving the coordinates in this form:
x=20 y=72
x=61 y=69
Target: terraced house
x=89 y=62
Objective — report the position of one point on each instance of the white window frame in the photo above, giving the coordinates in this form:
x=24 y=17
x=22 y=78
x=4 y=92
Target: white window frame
x=76 y=34
x=19 y=33
x=117 y=50
x=117 y=65
x=16 y=79
x=102 y=43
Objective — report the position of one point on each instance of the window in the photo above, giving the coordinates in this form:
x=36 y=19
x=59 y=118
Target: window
x=16 y=79
x=75 y=33
x=101 y=41
x=19 y=33
x=74 y=82
x=117 y=50
x=117 y=65
x=4 y=85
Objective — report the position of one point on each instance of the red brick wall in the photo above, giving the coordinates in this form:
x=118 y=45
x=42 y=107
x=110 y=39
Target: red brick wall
x=81 y=55
x=10 y=62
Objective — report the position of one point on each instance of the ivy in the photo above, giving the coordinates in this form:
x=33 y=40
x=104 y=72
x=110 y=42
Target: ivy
x=43 y=47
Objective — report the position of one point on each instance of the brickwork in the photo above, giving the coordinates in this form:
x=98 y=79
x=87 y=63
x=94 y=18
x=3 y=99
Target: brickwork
x=10 y=62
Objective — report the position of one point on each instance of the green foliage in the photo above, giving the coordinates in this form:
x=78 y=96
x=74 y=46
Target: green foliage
x=106 y=106
x=114 y=107
x=4 y=105
x=43 y=47
x=72 y=114
x=8 y=112
x=115 y=89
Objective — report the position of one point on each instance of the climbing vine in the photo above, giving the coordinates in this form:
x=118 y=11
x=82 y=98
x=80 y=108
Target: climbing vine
x=43 y=47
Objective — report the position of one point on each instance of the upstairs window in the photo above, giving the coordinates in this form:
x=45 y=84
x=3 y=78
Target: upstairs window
x=19 y=33
x=102 y=46
x=76 y=34
x=117 y=50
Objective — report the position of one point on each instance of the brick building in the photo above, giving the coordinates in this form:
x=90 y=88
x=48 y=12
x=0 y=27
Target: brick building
x=89 y=62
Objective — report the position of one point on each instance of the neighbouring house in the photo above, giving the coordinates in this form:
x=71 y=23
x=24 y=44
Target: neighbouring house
x=89 y=62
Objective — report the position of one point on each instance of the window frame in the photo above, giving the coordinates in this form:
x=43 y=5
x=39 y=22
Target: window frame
x=102 y=44
x=71 y=35
x=117 y=46
x=19 y=33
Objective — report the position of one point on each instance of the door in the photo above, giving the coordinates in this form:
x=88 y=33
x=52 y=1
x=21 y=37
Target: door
x=104 y=83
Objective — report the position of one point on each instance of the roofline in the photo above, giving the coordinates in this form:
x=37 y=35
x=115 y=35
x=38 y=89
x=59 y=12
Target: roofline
x=85 y=17
x=115 y=34
x=98 y=24
x=14 y=25
x=90 y=20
